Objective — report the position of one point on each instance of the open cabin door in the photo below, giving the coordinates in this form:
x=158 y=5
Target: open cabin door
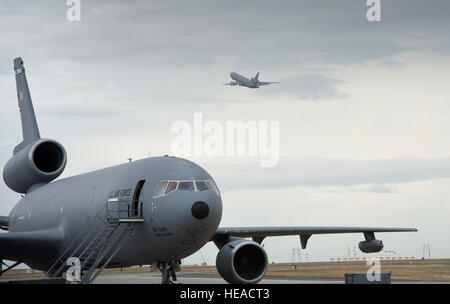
x=136 y=204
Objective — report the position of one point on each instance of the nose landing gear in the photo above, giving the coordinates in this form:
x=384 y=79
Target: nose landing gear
x=168 y=271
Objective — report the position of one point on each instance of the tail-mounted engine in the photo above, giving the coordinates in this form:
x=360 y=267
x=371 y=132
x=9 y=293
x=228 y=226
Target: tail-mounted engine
x=39 y=162
x=35 y=160
x=242 y=262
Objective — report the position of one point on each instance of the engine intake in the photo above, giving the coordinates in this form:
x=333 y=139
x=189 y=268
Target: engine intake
x=41 y=161
x=242 y=262
x=371 y=246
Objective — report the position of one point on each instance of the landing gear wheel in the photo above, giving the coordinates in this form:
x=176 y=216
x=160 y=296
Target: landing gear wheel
x=168 y=271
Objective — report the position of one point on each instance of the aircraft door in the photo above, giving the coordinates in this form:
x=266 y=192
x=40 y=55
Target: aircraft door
x=136 y=203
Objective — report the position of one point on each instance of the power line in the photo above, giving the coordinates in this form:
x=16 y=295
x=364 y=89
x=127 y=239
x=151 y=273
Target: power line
x=425 y=248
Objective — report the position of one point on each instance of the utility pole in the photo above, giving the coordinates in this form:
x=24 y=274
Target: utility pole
x=429 y=252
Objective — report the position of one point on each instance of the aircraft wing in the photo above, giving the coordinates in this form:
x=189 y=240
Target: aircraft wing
x=39 y=244
x=231 y=83
x=258 y=234
x=265 y=83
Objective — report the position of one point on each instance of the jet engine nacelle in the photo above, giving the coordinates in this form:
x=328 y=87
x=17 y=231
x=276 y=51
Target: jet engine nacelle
x=41 y=161
x=371 y=246
x=242 y=262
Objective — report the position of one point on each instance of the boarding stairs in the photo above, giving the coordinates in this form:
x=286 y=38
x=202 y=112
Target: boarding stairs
x=98 y=243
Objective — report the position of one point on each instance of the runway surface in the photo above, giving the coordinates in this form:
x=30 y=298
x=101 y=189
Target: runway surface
x=195 y=278
x=192 y=278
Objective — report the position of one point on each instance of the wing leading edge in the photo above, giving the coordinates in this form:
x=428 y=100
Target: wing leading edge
x=258 y=234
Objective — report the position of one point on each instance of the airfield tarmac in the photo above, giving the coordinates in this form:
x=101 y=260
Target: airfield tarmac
x=194 y=278
x=430 y=271
x=403 y=272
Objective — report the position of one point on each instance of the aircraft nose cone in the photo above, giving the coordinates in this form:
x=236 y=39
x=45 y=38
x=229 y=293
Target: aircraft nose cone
x=200 y=210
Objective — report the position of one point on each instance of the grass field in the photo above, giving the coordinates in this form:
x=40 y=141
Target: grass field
x=417 y=270
x=433 y=270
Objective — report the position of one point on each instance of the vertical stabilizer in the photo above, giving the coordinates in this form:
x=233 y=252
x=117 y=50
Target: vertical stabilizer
x=256 y=77
x=30 y=128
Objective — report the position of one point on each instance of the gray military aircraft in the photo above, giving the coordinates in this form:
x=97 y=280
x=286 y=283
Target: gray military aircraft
x=154 y=211
x=252 y=83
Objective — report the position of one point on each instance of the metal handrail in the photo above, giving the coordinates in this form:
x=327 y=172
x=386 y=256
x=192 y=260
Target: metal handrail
x=111 y=217
x=123 y=238
x=87 y=228
x=100 y=244
x=121 y=207
x=102 y=255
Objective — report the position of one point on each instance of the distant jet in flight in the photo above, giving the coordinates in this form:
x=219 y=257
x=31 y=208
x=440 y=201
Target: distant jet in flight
x=252 y=83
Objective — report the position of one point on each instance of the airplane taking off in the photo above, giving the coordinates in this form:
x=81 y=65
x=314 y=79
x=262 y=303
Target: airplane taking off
x=252 y=83
x=155 y=211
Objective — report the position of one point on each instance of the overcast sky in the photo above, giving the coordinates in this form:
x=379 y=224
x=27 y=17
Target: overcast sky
x=363 y=107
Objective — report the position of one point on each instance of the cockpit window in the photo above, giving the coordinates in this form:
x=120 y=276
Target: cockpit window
x=201 y=185
x=166 y=187
x=186 y=186
x=160 y=189
x=213 y=186
x=171 y=186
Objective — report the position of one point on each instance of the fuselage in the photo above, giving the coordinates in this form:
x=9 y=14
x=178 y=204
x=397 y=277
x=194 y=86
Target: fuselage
x=171 y=230
x=243 y=81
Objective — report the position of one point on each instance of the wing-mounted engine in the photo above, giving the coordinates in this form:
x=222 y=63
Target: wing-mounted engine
x=35 y=160
x=371 y=244
x=241 y=261
x=39 y=162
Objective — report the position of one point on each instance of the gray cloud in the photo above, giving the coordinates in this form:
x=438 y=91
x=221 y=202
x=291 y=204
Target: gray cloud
x=310 y=86
x=373 y=188
x=381 y=188
x=134 y=44
x=392 y=64
x=315 y=172
x=282 y=33
x=64 y=111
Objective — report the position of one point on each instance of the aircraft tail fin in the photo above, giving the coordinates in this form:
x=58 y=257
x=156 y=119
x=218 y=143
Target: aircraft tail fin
x=256 y=76
x=255 y=79
x=30 y=128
